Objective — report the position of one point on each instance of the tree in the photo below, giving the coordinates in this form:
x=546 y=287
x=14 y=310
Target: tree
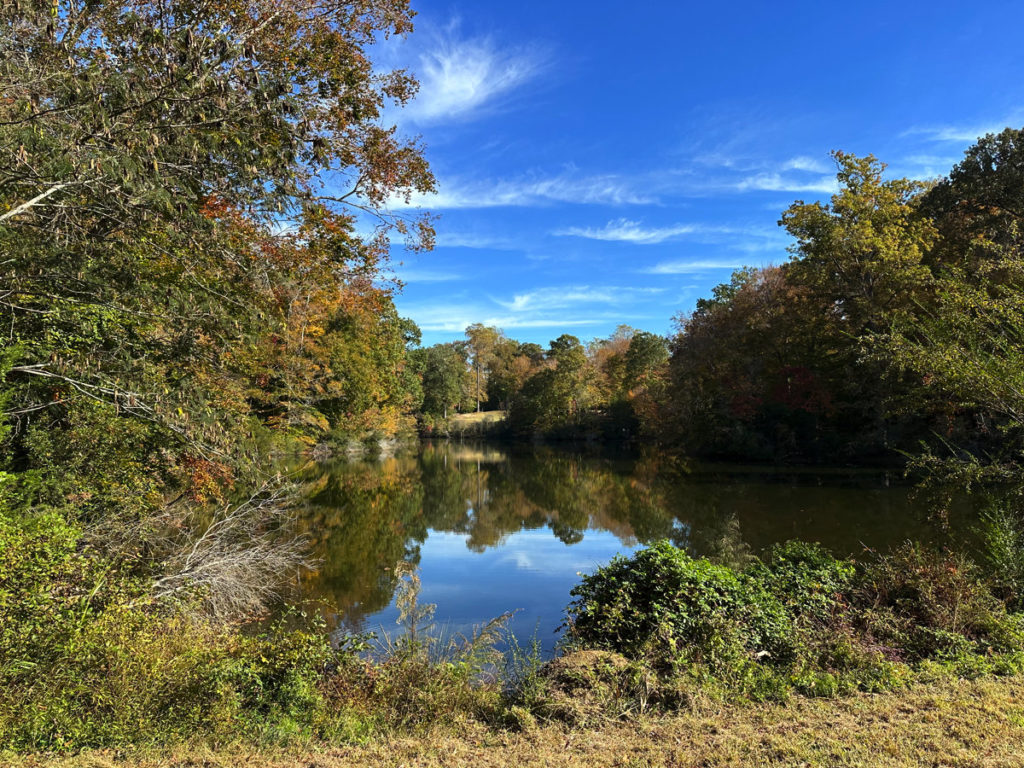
x=864 y=250
x=370 y=385
x=863 y=259
x=745 y=377
x=442 y=370
x=609 y=357
x=512 y=364
x=150 y=158
x=179 y=191
x=557 y=396
x=965 y=345
x=800 y=359
x=647 y=353
x=115 y=111
x=481 y=342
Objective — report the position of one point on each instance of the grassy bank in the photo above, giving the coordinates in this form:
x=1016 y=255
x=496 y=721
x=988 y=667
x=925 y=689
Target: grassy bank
x=952 y=723
x=682 y=651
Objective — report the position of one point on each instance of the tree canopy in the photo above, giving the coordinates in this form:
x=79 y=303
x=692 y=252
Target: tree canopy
x=180 y=187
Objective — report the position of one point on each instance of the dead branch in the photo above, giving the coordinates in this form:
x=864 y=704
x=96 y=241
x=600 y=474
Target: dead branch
x=236 y=561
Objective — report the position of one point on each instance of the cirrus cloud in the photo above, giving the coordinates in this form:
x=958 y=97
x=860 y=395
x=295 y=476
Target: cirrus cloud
x=460 y=77
x=627 y=231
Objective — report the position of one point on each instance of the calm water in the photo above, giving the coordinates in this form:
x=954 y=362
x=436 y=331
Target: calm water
x=494 y=530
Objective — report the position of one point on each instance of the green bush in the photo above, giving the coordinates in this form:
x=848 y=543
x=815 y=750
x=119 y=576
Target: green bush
x=48 y=588
x=1002 y=532
x=662 y=604
x=807 y=579
x=86 y=660
x=799 y=620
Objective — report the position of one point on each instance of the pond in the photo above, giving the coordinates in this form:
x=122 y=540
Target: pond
x=494 y=529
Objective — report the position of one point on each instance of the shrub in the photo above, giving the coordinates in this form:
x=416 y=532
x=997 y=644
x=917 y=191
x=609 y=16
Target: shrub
x=1002 y=532
x=86 y=660
x=798 y=620
x=931 y=604
x=805 y=578
x=48 y=588
x=665 y=605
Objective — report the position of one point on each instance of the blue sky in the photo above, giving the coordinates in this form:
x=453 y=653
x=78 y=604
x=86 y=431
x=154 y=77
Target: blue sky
x=603 y=163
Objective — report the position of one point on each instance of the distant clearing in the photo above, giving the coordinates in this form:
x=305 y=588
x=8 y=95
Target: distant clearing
x=483 y=417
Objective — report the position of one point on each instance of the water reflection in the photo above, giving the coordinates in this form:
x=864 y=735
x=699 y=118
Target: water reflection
x=496 y=530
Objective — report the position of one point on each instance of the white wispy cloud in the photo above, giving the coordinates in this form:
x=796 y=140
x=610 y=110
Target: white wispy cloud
x=416 y=275
x=449 y=320
x=547 y=307
x=562 y=297
x=748 y=164
x=447 y=239
x=690 y=267
x=923 y=166
x=460 y=76
x=708 y=174
x=627 y=231
x=932 y=160
x=776 y=182
x=456 y=193
x=739 y=238
x=966 y=132
x=804 y=163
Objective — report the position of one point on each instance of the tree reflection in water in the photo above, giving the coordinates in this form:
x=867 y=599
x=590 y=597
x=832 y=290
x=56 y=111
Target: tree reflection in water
x=364 y=516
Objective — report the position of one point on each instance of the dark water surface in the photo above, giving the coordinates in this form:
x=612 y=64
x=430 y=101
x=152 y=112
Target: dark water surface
x=495 y=530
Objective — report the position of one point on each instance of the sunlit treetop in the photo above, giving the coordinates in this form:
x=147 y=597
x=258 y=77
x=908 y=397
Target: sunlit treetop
x=139 y=108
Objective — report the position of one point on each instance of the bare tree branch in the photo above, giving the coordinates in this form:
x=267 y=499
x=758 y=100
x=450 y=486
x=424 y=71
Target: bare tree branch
x=238 y=562
x=35 y=200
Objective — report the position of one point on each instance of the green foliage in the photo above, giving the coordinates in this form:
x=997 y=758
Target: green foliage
x=558 y=397
x=371 y=387
x=898 y=322
x=164 y=331
x=928 y=604
x=774 y=365
x=443 y=373
x=481 y=343
x=966 y=345
x=421 y=678
x=159 y=315
x=47 y=586
x=799 y=620
x=863 y=252
x=646 y=354
x=1003 y=549
x=664 y=603
x=806 y=578
x=88 y=660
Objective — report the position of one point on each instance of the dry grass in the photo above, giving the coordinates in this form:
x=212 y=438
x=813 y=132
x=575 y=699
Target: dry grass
x=476 y=424
x=483 y=417
x=979 y=723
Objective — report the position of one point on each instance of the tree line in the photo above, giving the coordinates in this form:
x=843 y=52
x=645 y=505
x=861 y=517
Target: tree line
x=896 y=321
x=567 y=390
